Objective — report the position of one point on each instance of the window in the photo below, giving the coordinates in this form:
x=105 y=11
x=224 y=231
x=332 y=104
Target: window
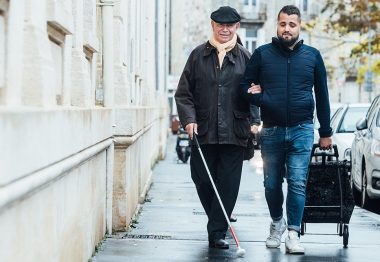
x=57 y=54
x=57 y=40
x=378 y=118
x=335 y=117
x=304 y=5
x=250 y=39
x=251 y=32
x=89 y=53
x=250 y=5
x=249 y=2
x=372 y=111
x=351 y=116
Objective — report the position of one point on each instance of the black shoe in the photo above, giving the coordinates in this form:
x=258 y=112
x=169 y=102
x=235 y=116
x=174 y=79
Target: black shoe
x=218 y=243
x=233 y=218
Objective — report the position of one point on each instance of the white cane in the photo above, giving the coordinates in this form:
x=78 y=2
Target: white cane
x=240 y=251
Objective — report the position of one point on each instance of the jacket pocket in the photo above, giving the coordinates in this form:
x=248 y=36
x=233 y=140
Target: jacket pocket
x=202 y=121
x=241 y=124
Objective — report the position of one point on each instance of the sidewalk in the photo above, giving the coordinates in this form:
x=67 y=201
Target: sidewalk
x=172 y=225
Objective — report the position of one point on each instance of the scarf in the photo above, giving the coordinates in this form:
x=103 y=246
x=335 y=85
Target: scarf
x=223 y=48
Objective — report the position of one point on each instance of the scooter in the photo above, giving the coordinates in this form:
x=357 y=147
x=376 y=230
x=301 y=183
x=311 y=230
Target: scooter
x=183 y=145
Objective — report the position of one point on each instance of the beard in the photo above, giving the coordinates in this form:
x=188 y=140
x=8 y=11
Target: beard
x=287 y=42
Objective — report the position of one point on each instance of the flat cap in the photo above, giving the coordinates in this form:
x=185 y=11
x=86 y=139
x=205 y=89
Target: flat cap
x=225 y=15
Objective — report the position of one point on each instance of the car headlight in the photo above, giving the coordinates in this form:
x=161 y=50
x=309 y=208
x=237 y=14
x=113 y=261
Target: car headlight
x=375 y=147
x=347 y=154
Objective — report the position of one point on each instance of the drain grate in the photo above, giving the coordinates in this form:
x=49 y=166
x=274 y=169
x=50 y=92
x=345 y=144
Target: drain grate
x=146 y=236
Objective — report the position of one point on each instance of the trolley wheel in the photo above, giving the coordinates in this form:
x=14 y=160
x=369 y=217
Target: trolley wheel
x=303 y=228
x=345 y=236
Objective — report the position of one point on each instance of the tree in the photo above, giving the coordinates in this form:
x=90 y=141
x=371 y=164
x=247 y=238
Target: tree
x=348 y=16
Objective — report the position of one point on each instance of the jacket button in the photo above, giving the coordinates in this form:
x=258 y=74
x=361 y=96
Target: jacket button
x=220 y=85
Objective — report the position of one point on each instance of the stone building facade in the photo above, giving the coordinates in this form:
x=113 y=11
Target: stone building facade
x=83 y=121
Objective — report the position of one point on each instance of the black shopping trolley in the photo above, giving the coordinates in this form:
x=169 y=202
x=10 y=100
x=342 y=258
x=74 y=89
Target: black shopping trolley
x=329 y=196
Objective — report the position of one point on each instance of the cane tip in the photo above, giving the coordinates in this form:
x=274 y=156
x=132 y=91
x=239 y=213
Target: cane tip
x=240 y=252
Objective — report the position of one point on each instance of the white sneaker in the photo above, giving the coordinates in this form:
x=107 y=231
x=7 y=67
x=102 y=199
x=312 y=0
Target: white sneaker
x=292 y=243
x=276 y=230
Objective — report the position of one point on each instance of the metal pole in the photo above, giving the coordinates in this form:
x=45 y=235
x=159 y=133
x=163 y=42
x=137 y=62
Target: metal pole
x=369 y=54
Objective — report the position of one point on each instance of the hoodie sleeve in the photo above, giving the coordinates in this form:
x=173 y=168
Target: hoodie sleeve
x=322 y=97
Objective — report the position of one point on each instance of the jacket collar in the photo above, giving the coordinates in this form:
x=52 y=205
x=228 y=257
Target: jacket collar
x=278 y=44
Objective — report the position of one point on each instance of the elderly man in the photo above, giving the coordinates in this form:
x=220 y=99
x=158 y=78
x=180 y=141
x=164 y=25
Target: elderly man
x=284 y=74
x=210 y=106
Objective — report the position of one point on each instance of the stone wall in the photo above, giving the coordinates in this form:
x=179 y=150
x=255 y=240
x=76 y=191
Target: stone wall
x=71 y=169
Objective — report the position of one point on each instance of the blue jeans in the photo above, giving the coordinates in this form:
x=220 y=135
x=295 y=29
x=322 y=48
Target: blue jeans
x=286 y=153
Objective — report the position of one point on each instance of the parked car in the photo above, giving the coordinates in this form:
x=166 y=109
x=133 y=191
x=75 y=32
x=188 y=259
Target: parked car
x=365 y=155
x=343 y=127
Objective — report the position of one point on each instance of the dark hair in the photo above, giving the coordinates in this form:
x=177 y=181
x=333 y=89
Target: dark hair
x=290 y=10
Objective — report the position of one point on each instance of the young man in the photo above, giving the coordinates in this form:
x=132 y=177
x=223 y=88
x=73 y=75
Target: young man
x=209 y=104
x=279 y=78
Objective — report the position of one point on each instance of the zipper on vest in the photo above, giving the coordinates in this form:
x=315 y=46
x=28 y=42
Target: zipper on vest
x=287 y=92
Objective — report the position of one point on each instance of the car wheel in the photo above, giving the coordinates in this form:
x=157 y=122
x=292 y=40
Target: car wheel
x=364 y=195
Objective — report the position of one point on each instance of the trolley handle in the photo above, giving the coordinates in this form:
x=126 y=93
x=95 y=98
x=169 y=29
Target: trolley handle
x=325 y=153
